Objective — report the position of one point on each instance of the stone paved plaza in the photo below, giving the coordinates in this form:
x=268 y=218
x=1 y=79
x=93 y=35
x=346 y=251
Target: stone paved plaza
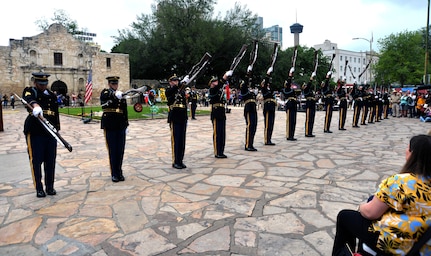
x=280 y=200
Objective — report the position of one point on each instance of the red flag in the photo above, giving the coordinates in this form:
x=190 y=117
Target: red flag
x=89 y=88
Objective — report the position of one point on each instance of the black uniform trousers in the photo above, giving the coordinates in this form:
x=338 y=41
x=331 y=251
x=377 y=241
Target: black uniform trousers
x=251 y=124
x=372 y=112
x=178 y=141
x=42 y=149
x=342 y=113
x=193 y=108
x=365 y=107
x=356 y=112
x=291 y=110
x=329 y=103
x=310 y=113
x=219 y=135
x=269 y=119
x=115 y=143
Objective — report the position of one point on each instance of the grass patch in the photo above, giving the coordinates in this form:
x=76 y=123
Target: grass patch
x=160 y=111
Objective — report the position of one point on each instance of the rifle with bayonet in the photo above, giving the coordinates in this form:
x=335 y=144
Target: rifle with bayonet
x=233 y=66
x=47 y=126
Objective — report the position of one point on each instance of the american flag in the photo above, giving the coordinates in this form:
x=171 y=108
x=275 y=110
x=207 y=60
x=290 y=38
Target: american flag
x=89 y=88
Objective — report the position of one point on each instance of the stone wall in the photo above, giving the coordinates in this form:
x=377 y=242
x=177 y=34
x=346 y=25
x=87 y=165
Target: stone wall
x=32 y=54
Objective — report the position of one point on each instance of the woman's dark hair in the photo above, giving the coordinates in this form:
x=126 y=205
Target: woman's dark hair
x=419 y=161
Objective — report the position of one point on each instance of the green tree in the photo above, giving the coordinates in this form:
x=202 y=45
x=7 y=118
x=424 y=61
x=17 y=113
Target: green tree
x=60 y=16
x=401 y=59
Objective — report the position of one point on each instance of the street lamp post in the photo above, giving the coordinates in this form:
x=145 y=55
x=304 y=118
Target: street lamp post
x=371 y=50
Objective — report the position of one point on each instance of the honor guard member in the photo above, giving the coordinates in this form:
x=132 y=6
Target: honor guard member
x=193 y=98
x=365 y=104
x=177 y=119
x=386 y=102
x=269 y=106
x=114 y=124
x=291 y=106
x=379 y=106
x=250 y=114
x=218 y=113
x=310 y=106
x=41 y=146
x=342 y=109
x=372 y=106
x=329 y=102
x=357 y=101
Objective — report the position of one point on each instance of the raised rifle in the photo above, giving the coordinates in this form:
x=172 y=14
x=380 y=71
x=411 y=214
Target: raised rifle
x=315 y=64
x=294 y=56
x=194 y=72
x=48 y=126
x=234 y=64
x=273 y=57
x=365 y=69
x=253 y=58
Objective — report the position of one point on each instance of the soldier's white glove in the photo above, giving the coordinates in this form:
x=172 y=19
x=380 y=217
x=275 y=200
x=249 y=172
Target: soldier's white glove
x=249 y=68
x=119 y=94
x=37 y=111
x=313 y=75
x=228 y=73
x=329 y=73
x=46 y=92
x=292 y=69
x=269 y=71
x=185 y=80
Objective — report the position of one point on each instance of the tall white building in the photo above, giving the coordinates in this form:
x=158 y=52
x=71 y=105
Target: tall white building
x=356 y=63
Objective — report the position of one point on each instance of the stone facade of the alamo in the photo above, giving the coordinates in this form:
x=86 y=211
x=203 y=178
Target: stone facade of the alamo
x=66 y=58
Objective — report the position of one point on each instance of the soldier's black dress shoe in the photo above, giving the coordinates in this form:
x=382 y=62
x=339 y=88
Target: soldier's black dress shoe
x=270 y=144
x=250 y=149
x=291 y=139
x=115 y=179
x=342 y=129
x=183 y=165
x=327 y=131
x=310 y=135
x=177 y=166
x=121 y=178
x=221 y=156
x=51 y=192
x=40 y=193
x=355 y=126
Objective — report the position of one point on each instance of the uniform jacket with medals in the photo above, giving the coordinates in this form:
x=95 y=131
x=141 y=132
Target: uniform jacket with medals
x=177 y=105
x=114 y=111
x=215 y=97
x=47 y=100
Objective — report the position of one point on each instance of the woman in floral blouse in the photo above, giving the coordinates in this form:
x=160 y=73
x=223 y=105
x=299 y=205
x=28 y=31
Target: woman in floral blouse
x=399 y=212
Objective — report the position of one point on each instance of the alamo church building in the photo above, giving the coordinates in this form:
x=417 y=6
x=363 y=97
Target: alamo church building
x=68 y=60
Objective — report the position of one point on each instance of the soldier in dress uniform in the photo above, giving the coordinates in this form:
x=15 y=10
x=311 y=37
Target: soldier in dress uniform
x=342 y=108
x=386 y=102
x=357 y=101
x=177 y=119
x=269 y=106
x=329 y=102
x=218 y=114
x=41 y=146
x=372 y=106
x=291 y=106
x=250 y=114
x=193 y=98
x=114 y=124
x=366 y=97
x=310 y=106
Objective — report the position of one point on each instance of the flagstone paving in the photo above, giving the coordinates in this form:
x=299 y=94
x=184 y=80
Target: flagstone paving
x=280 y=200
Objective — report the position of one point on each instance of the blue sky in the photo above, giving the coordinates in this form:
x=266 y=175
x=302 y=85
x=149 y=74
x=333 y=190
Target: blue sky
x=336 y=20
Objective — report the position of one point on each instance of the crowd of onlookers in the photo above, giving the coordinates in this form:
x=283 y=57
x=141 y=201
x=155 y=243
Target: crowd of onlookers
x=412 y=105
